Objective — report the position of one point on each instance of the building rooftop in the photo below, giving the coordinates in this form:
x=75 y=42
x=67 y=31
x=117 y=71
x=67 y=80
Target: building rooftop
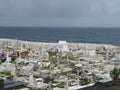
x=8 y=84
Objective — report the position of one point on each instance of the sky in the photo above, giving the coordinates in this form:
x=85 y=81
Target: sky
x=60 y=13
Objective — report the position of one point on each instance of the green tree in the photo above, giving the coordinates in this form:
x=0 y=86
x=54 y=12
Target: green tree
x=85 y=81
x=115 y=73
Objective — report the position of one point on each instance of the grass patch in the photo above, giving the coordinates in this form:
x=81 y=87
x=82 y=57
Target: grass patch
x=52 y=54
x=102 y=53
x=5 y=73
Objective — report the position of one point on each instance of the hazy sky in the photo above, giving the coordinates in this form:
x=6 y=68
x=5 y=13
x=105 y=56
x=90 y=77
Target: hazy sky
x=65 y=13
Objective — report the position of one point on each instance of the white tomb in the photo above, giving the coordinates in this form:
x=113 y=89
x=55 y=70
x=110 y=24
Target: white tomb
x=63 y=46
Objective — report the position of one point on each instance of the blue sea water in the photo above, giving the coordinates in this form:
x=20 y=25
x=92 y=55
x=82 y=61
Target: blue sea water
x=84 y=35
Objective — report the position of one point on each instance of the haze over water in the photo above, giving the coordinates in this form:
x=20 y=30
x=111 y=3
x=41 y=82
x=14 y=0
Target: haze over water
x=75 y=35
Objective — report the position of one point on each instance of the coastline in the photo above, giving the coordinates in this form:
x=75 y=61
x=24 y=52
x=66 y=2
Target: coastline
x=54 y=43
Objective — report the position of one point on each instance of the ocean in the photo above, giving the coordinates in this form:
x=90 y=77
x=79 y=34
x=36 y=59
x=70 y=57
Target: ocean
x=74 y=35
